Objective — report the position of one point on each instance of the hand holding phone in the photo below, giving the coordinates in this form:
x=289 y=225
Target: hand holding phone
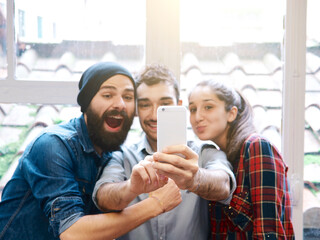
x=172 y=130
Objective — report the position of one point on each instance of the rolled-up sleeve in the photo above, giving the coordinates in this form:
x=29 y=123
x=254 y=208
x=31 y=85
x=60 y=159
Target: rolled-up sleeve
x=48 y=168
x=65 y=211
x=112 y=173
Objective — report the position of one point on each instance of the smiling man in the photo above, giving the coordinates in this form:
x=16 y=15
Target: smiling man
x=204 y=174
x=49 y=195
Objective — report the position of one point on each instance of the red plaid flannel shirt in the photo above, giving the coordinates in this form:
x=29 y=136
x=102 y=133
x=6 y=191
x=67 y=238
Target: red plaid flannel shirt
x=260 y=207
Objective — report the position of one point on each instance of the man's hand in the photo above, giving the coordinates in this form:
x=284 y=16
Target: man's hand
x=144 y=178
x=182 y=170
x=168 y=196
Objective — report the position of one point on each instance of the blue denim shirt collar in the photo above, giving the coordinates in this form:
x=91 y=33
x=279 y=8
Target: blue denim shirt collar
x=84 y=138
x=86 y=142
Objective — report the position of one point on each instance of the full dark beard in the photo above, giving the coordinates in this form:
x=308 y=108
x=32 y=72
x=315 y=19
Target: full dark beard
x=107 y=141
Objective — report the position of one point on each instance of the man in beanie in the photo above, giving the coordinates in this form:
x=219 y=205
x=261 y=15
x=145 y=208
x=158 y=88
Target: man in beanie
x=49 y=195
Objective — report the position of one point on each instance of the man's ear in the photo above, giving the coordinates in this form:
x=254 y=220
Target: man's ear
x=232 y=114
x=85 y=117
x=180 y=102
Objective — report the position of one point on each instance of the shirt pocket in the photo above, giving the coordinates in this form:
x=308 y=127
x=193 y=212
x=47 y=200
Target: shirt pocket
x=85 y=186
x=85 y=189
x=240 y=211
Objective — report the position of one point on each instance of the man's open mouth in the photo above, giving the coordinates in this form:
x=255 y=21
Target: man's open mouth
x=114 y=121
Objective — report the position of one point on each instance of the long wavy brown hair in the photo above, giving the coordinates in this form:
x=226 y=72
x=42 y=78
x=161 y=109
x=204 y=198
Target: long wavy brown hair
x=242 y=126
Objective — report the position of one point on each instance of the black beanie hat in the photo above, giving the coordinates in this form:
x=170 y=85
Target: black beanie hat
x=93 y=77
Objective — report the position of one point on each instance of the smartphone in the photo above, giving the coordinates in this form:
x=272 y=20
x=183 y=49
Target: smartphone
x=171 y=126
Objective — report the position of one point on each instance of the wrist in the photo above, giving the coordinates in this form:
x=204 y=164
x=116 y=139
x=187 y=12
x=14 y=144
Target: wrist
x=196 y=182
x=159 y=202
x=131 y=190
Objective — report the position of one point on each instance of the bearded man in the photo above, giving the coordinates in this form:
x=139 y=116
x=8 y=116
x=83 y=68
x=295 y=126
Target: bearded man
x=49 y=195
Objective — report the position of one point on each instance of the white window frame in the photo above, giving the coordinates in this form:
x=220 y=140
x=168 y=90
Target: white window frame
x=293 y=111
x=163 y=30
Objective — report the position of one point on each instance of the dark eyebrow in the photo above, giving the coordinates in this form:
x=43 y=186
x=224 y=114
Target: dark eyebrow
x=166 y=98
x=108 y=87
x=114 y=88
x=205 y=100
x=161 y=99
x=131 y=90
x=143 y=99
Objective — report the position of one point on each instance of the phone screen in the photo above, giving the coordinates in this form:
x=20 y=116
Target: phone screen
x=171 y=126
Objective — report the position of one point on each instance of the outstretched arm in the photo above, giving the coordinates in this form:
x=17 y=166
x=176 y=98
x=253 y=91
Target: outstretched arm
x=212 y=185
x=113 y=225
x=117 y=196
x=209 y=184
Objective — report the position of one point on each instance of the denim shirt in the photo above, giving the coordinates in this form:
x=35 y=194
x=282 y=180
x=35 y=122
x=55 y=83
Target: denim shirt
x=52 y=185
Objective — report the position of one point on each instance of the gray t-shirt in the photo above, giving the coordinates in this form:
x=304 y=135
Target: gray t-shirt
x=190 y=219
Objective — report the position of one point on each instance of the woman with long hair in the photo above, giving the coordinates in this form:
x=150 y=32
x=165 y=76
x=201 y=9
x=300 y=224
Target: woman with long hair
x=260 y=207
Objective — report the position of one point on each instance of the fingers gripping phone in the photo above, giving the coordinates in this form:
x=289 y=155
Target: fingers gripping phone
x=171 y=126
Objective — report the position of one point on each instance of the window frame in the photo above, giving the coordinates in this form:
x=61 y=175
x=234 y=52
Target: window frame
x=293 y=109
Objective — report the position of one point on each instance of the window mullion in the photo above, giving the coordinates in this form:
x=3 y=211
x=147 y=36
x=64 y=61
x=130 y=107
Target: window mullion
x=163 y=33
x=294 y=104
x=11 y=56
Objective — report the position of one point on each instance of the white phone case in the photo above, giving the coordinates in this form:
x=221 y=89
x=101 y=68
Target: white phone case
x=171 y=126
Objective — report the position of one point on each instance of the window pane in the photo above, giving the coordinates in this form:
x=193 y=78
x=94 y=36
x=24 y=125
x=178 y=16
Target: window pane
x=311 y=198
x=62 y=38
x=3 y=41
x=238 y=42
x=20 y=124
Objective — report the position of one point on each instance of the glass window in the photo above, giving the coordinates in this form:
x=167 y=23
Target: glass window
x=239 y=43
x=19 y=124
x=59 y=39
x=3 y=41
x=21 y=25
x=39 y=27
x=311 y=192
